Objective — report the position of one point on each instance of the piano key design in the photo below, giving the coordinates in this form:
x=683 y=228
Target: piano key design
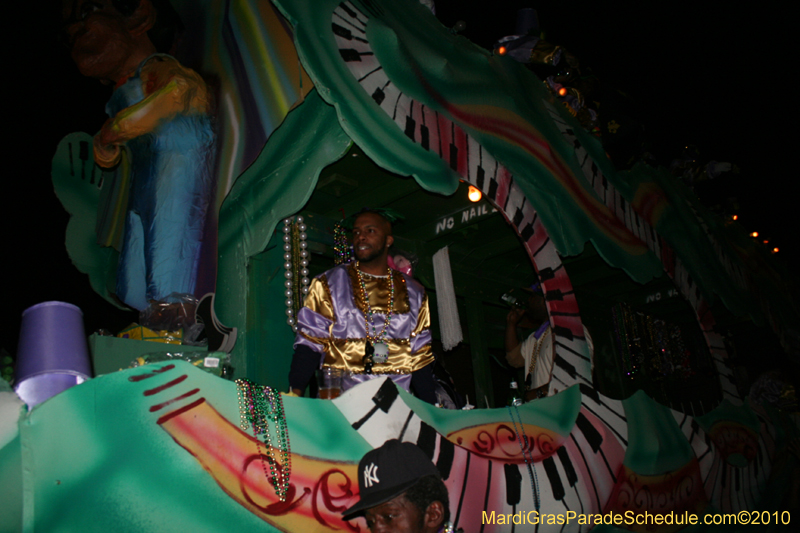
x=438 y=134
x=578 y=476
x=698 y=440
x=731 y=488
x=642 y=228
x=467 y=157
x=386 y=417
x=581 y=474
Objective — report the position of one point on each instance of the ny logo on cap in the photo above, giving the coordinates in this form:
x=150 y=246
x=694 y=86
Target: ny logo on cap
x=371 y=475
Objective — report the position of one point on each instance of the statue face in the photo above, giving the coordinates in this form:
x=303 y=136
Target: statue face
x=98 y=37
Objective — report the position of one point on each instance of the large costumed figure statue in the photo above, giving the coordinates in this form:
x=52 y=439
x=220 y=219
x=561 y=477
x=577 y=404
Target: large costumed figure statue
x=160 y=125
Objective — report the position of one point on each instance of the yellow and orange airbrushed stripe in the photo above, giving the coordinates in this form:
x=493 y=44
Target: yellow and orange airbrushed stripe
x=506 y=125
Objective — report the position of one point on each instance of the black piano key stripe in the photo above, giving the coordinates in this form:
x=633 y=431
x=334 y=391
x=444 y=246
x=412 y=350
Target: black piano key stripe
x=385 y=396
x=595 y=440
x=378 y=95
x=368 y=74
x=561 y=363
x=488 y=488
x=586 y=462
x=383 y=401
x=453 y=156
x=397 y=105
x=596 y=412
x=357 y=425
x=463 y=490
x=513 y=479
x=352 y=14
x=368 y=5
x=542 y=247
x=572 y=476
x=444 y=463
x=589 y=432
x=493 y=189
x=511 y=184
x=405 y=424
x=526 y=233
x=351 y=54
x=517 y=218
x=555 y=481
x=426 y=439
x=556 y=295
x=343 y=32
x=411 y=127
x=357 y=27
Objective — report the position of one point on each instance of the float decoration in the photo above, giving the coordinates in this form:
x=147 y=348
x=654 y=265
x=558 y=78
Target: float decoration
x=160 y=446
x=541 y=171
x=243 y=53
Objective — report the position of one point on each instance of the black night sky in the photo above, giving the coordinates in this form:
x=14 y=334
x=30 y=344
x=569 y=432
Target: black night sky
x=715 y=78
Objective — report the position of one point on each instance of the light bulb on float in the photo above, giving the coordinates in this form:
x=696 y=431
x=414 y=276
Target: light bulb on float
x=474 y=194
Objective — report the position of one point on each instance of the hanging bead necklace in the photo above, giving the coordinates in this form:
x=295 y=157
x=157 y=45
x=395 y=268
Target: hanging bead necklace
x=342 y=247
x=527 y=456
x=257 y=407
x=375 y=343
x=534 y=359
x=295 y=257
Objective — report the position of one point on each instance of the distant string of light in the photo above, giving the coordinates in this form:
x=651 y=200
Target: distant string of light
x=755 y=235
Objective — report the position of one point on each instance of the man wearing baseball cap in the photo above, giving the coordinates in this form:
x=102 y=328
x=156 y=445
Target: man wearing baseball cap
x=401 y=491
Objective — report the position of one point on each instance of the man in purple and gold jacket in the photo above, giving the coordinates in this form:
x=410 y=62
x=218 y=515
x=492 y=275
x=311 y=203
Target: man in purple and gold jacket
x=366 y=319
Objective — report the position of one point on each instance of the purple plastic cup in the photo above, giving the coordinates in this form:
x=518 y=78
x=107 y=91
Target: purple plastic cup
x=53 y=355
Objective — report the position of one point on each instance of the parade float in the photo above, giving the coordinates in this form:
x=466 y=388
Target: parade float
x=323 y=107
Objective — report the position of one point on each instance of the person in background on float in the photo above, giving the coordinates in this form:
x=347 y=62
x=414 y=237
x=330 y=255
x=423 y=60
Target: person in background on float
x=536 y=353
x=365 y=319
x=446 y=394
x=402 y=261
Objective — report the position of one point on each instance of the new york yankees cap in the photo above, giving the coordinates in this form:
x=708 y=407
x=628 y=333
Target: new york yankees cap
x=387 y=472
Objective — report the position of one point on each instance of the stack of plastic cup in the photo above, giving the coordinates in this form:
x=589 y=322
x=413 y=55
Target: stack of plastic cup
x=52 y=355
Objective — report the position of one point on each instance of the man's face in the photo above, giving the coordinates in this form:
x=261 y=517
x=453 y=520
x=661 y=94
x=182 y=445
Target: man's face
x=395 y=516
x=371 y=237
x=537 y=308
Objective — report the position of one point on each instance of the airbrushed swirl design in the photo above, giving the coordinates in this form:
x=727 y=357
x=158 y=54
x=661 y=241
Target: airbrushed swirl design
x=500 y=441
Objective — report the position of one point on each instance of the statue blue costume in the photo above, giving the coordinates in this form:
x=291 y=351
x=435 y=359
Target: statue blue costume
x=169 y=197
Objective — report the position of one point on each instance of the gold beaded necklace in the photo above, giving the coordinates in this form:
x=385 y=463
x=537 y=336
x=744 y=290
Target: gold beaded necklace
x=375 y=338
x=534 y=358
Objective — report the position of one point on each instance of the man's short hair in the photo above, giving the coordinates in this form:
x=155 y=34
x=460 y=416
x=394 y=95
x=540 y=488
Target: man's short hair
x=389 y=215
x=429 y=489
